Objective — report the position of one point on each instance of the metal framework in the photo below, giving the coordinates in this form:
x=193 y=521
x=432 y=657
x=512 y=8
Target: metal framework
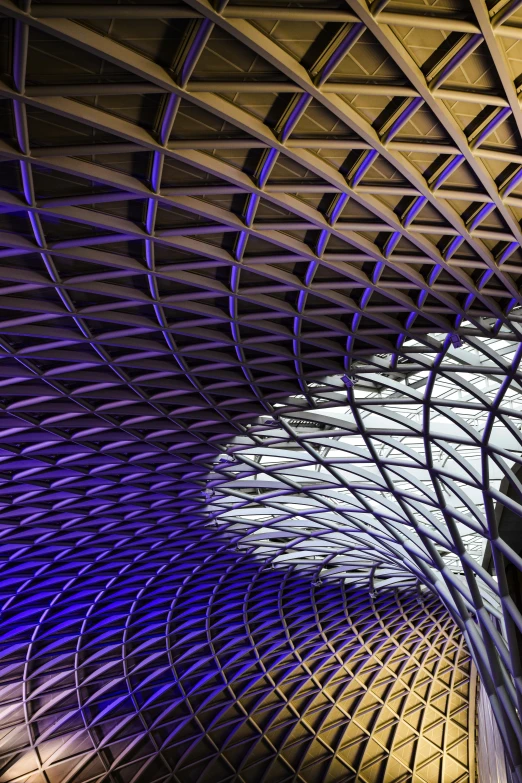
x=401 y=483
x=209 y=211
x=253 y=200
x=172 y=658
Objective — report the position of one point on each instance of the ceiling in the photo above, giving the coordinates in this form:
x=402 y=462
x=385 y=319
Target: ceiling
x=224 y=202
x=179 y=661
x=208 y=213
x=206 y=209
x=399 y=477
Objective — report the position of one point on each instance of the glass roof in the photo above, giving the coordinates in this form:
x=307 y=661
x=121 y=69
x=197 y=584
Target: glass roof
x=391 y=476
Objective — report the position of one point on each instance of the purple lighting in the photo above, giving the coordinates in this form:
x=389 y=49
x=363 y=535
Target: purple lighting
x=159 y=642
x=362 y=167
x=260 y=396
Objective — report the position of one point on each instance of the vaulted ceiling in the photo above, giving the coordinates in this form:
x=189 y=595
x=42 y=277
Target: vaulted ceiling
x=210 y=211
x=219 y=201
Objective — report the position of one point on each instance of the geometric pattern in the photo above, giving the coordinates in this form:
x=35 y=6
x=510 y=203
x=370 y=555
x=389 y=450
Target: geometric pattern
x=399 y=471
x=238 y=196
x=397 y=478
x=170 y=657
x=209 y=211
x=205 y=208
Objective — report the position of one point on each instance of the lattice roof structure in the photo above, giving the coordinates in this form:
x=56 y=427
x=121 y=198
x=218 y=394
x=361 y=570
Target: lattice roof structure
x=402 y=482
x=414 y=456
x=210 y=212
x=198 y=664
x=216 y=184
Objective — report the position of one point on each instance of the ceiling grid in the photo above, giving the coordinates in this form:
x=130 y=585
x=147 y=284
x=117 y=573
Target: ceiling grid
x=211 y=211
